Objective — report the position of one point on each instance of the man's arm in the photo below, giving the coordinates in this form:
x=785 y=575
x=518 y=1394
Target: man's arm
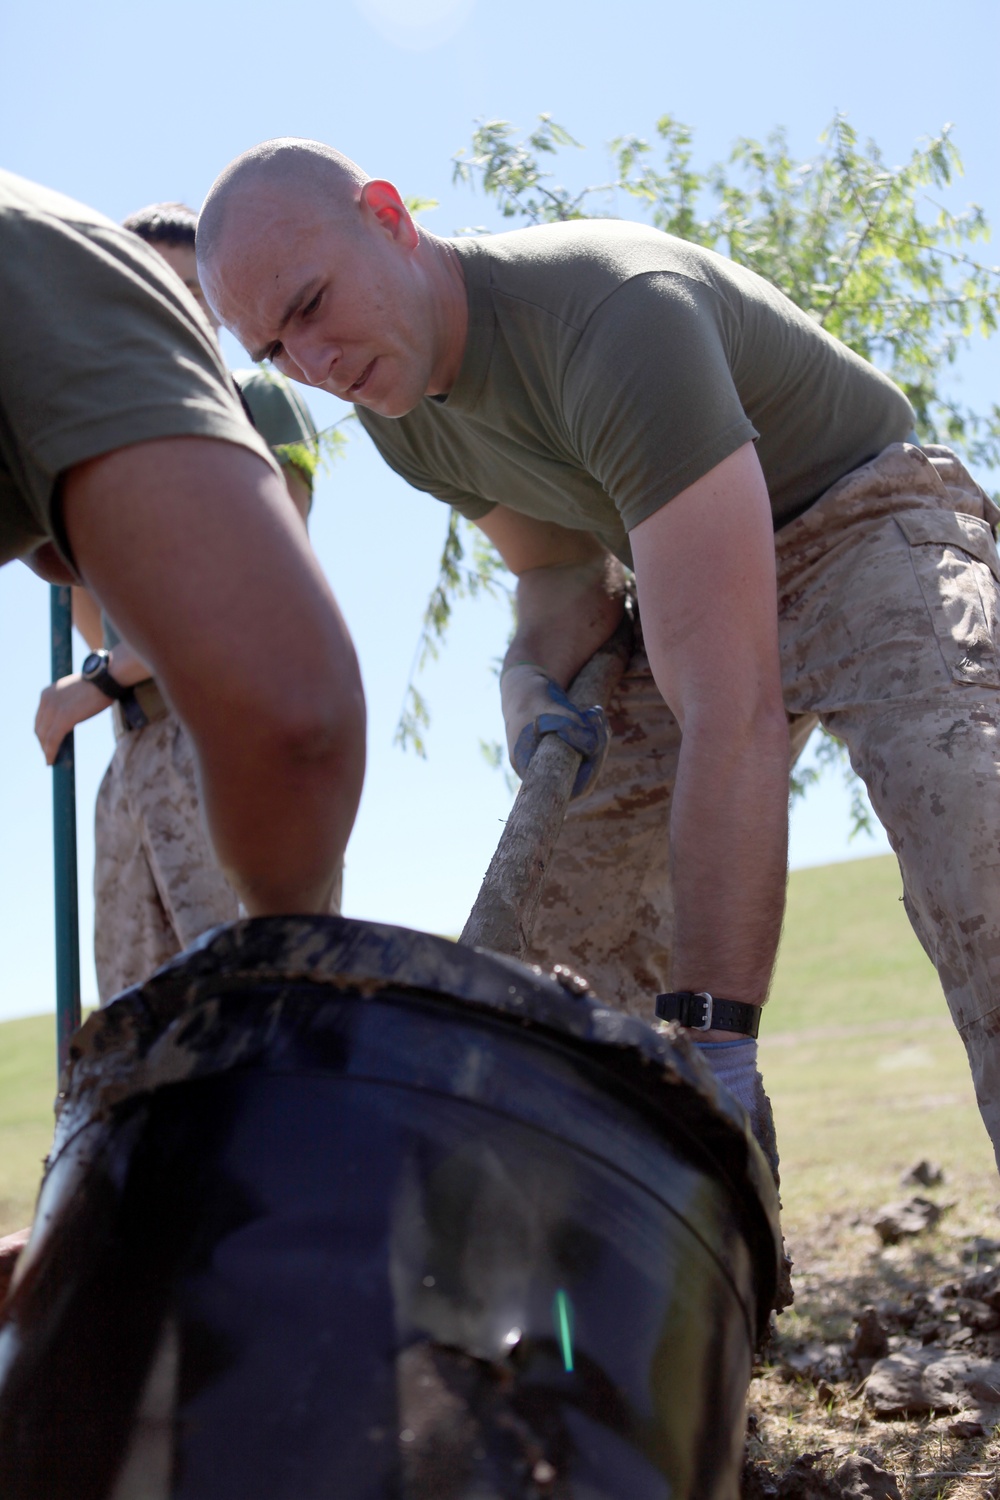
x=87 y=618
x=299 y=490
x=70 y=701
x=570 y=591
x=705 y=572
x=570 y=597
x=707 y=595
x=196 y=551
x=126 y=665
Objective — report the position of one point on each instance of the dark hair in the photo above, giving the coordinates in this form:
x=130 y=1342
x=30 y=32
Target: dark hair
x=164 y=224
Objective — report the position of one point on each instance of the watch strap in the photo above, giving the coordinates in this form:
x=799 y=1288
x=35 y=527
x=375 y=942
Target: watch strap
x=102 y=678
x=704 y=1012
x=132 y=710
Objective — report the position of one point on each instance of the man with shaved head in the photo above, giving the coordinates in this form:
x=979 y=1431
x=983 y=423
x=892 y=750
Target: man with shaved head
x=410 y=308
x=599 y=396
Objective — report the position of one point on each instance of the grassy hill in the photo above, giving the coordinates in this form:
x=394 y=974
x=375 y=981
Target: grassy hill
x=865 y=1070
x=862 y=1063
x=27 y=1089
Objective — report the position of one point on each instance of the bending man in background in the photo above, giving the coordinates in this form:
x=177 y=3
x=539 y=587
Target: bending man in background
x=157 y=885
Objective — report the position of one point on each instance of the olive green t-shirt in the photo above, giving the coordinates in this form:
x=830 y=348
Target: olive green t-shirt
x=608 y=366
x=101 y=347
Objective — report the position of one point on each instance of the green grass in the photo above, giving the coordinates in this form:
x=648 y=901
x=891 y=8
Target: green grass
x=864 y=1068
x=848 y=954
x=859 y=1056
x=27 y=1091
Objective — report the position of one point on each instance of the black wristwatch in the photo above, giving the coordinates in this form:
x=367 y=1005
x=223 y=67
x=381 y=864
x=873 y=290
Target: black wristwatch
x=704 y=1012
x=95 y=670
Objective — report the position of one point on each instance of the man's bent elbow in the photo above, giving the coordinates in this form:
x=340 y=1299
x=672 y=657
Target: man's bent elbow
x=301 y=728
x=322 y=728
x=333 y=733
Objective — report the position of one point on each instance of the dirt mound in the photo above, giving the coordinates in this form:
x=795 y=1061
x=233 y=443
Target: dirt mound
x=883 y=1381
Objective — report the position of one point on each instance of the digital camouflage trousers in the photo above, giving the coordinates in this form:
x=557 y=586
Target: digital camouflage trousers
x=157 y=886
x=889 y=613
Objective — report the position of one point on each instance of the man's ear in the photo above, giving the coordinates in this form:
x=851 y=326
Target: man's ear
x=381 y=199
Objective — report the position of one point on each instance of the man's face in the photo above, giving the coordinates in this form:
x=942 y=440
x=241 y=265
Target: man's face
x=182 y=260
x=335 y=301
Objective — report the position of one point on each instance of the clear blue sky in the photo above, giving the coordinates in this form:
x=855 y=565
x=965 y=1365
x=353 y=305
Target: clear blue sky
x=121 y=105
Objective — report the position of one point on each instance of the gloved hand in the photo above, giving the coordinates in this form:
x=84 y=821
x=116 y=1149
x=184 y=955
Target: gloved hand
x=534 y=705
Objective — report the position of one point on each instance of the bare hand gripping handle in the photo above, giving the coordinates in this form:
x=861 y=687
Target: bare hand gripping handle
x=503 y=916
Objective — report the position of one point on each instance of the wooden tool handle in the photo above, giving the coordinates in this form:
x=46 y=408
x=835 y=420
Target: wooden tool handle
x=503 y=916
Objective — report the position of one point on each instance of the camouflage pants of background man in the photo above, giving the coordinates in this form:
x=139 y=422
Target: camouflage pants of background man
x=889 y=614
x=157 y=886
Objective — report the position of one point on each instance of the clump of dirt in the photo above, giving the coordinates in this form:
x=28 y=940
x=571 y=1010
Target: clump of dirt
x=898 y=1221
x=812 y=1476
x=883 y=1381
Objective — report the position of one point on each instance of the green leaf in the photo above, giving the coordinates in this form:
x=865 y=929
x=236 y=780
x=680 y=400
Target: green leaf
x=417 y=206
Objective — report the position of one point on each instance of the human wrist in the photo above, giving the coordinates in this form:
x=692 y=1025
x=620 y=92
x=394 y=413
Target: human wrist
x=708 y=1015
x=515 y=664
x=524 y=694
x=86 y=694
x=96 y=673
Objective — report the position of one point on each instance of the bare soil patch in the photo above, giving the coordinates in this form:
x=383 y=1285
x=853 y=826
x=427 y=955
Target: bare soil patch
x=878 y=1382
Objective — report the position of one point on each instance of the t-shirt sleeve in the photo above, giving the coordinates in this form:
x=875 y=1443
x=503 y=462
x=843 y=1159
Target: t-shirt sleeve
x=389 y=437
x=649 y=396
x=101 y=347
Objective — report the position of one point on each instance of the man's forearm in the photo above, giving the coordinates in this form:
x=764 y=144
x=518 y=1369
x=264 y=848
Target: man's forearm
x=126 y=665
x=705 y=572
x=565 y=614
x=729 y=842
x=87 y=617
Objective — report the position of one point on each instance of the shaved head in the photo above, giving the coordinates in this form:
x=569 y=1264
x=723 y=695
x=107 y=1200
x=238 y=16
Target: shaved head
x=286 y=167
x=320 y=269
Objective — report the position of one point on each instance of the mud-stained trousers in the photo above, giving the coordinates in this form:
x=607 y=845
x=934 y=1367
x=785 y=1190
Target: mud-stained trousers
x=157 y=886
x=889 y=616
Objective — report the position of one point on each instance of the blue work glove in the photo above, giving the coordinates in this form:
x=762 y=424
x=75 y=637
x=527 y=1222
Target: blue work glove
x=534 y=705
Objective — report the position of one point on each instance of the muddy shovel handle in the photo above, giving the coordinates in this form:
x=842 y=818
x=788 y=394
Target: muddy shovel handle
x=503 y=916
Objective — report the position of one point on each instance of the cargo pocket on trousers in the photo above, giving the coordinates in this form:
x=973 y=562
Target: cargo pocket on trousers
x=955 y=560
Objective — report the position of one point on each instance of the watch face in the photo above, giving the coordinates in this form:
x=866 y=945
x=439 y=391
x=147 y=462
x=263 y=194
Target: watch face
x=94 y=663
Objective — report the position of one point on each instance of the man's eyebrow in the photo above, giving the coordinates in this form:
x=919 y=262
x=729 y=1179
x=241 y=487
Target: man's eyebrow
x=291 y=308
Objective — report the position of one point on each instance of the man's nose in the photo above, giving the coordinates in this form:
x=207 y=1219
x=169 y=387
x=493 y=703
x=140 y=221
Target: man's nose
x=316 y=355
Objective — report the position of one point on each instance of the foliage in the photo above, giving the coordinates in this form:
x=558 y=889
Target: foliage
x=418 y=206
x=510 y=171
x=469 y=566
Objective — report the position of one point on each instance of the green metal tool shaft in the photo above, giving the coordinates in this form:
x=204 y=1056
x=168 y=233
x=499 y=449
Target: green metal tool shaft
x=64 y=842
